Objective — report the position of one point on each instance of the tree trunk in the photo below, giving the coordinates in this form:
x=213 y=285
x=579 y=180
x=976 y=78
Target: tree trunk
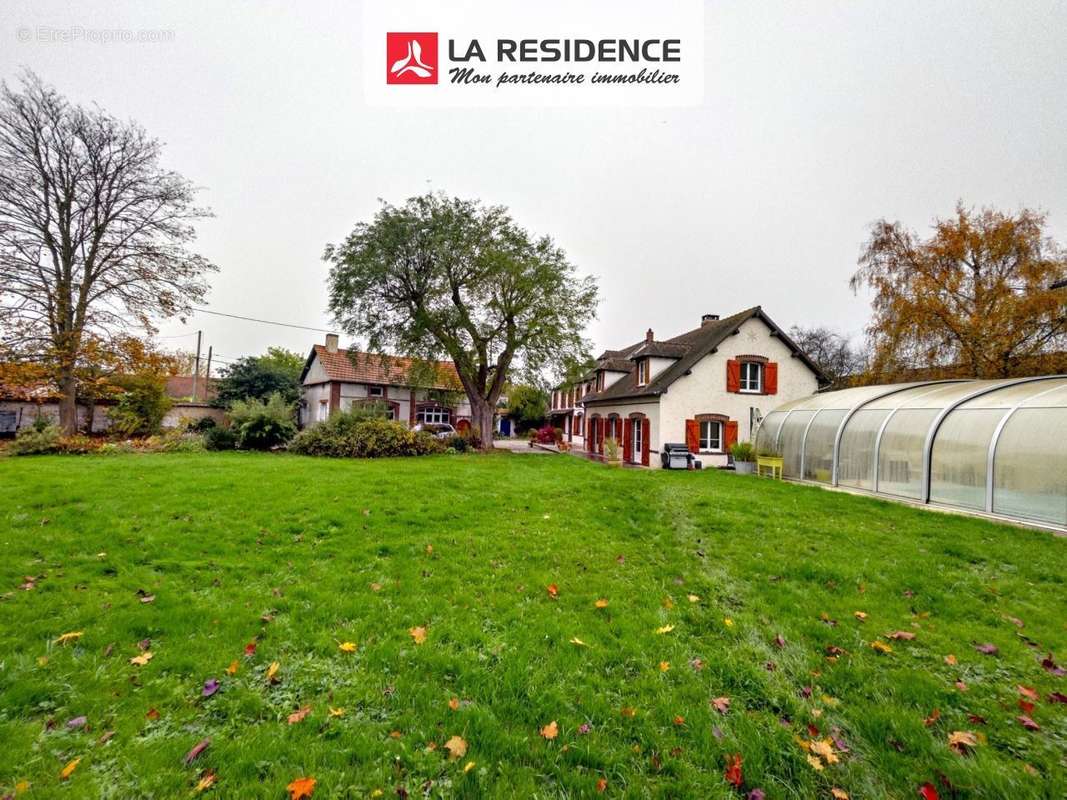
x=482 y=421
x=68 y=404
x=90 y=412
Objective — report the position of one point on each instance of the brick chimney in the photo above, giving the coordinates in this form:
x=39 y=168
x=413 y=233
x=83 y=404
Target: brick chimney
x=704 y=320
x=648 y=335
x=331 y=342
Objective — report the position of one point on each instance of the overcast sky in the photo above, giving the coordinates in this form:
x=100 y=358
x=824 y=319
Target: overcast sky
x=818 y=118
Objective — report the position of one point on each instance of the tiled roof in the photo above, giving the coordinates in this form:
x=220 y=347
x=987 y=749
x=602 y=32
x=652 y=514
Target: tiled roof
x=181 y=386
x=354 y=366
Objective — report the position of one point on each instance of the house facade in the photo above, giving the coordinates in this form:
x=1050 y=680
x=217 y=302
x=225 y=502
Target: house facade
x=708 y=388
x=335 y=379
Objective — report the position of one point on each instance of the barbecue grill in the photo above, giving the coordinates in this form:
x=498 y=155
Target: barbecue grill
x=676 y=455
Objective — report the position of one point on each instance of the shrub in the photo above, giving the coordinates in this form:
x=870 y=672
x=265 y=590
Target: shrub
x=140 y=408
x=220 y=438
x=546 y=434
x=37 y=440
x=611 y=449
x=348 y=435
x=743 y=451
x=262 y=426
x=202 y=425
x=457 y=443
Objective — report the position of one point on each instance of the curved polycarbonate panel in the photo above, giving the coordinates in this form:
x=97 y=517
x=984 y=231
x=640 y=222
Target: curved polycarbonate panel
x=934 y=441
x=767 y=435
x=1030 y=466
x=819 y=445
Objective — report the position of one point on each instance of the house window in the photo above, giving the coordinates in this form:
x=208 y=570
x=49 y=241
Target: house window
x=642 y=372
x=751 y=377
x=375 y=391
x=710 y=437
x=324 y=410
x=638 y=444
x=435 y=416
x=390 y=412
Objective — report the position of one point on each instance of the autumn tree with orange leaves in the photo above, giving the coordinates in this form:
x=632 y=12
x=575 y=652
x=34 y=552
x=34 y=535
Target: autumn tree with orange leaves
x=974 y=300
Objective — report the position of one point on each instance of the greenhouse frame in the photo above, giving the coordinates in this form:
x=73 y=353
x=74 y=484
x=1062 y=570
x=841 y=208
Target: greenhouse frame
x=994 y=447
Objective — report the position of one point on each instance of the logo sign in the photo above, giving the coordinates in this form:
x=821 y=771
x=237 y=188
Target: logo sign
x=411 y=58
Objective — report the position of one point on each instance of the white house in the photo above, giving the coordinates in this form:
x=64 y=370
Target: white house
x=707 y=387
x=334 y=379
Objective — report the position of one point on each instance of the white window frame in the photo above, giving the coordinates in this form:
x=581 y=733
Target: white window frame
x=706 y=441
x=380 y=392
x=435 y=416
x=642 y=371
x=636 y=444
x=747 y=384
x=324 y=411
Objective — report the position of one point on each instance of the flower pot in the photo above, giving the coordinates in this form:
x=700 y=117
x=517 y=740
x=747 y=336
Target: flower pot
x=744 y=467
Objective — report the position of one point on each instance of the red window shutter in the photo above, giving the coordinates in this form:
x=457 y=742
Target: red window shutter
x=601 y=424
x=731 y=434
x=692 y=435
x=770 y=378
x=646 y=427
x=733 y=375
x=627 y=440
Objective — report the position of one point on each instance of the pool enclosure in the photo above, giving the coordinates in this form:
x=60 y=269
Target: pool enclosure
x=992 y=446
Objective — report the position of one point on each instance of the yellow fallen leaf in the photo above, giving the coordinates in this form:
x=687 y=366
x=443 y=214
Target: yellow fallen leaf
x=454 y=704
x=429 y=549
x=860 y=615
x=879 y=646
x=729 y=623
x=575 y=640
x=22 y=786
x=72 y=636
x=377 y=793
x=336 y=712
x=838 y=794
x=693 y=598
x=42 y=661
x=468 y=766
x=69 y=769
x=961 y=741
x=601 y=603
x=550 y=731
x=815 y=762
x=272 y=671
x=347 y=647
x=418 y=634
x=232 y=669
x=668 y=603
x=665 y=629
x=142 y=659
x=950 y=660
x=664 y=666
x=824 y=748
x=456 y=747
x=206 y=782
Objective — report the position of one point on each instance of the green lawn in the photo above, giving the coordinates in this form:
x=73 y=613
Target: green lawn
x=298 y=555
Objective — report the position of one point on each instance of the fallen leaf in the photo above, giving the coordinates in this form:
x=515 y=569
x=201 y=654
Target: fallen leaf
x=601 y=603
x=825 y=749
x=456 y=747
x=628 y=711
x=584 y=728
x=1057 y=697
x=950 y=660
x=468 y=767
x=152 y=714
x=336 y=712
x=667 y=602
x=576 y=641
x=838 y=794
x=693 y=598
x=935 y=715
x=347 y=647
x=961 y=686
x=721 y=704
x=756 y=794
x=962 y=741
x=904 y=635
x=550 y=731
x=1027 y=692
x=732 y=773
x=665 y=629
x=142 y=659
x=272 y=672
x=1026 y=706
x=376 y=587
x=729 y=623
x=1028 y=723
x=779 y=642
x=454 y=704
x=987 y=649
x=976 y=719
x=679 y=720
x=1050 y=666
x=232 y=669
x=299 y=714
x=418 y=634
x=148 y=598
x=881 y=647
x=72 y=636
x=553 y=590
x=71 y=766
x=301 y=788
x=250 y=649
x=860 y=615
x=602 y=785
x=210 y=687
x=77 y=722
x=928 y=792
x=206 y=781
x=815 y=761
x=697 y=664
x=429 y=549
x=198 y=748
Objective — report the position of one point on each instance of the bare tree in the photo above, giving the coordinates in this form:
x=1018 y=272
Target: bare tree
x=833 y=352
x=93 y=232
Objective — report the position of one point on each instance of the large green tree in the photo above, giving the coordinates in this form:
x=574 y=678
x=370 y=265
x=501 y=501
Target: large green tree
x=442 y=277
x=258 y=377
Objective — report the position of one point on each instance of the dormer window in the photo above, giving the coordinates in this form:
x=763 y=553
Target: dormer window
x=642 y=372
x=600 y=381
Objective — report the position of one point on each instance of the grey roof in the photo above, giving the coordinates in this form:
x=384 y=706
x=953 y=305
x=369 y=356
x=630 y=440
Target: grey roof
x=691 y=346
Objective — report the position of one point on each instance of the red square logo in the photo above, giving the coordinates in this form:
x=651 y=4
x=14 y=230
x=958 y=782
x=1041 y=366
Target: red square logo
x=411 y=57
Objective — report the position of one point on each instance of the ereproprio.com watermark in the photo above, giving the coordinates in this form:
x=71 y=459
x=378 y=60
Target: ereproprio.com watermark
x=51 y=34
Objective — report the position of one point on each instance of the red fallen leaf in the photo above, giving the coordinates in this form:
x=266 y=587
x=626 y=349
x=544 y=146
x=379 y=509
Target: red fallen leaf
x=906 y=636
x=152 y=714
x=1028 y=723
x=198 y=748
x=756 y=794
x=833 y=651
x=928 y=792
x=721 y=704
x=250 y=649
x=935 y=715
x=733 y=770
x=300 y=788
x=1026 y=691
x=812 y=730
x=987 y=649
x=1026 y=706
x=961 y=686
x=805 y=692
x=977 y=719
x=779 y=642
x=1051 y=666
x=1057 y=697
x=553 y=590
x=602 y=784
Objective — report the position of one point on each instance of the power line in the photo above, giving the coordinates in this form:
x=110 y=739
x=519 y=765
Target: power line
x=263 y=321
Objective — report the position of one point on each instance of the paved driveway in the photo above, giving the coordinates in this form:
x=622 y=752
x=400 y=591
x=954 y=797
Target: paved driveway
x=521 y=446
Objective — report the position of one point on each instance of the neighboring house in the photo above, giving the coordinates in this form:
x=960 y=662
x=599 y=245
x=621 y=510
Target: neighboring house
x=334 y=379
x=708 y=387
x=565 y=410
x=20 y=406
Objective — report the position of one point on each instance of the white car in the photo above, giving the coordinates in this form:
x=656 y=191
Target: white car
x=440 y=430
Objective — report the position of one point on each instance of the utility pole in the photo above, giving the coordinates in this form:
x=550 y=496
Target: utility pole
x=207 y=377
x=196 y=368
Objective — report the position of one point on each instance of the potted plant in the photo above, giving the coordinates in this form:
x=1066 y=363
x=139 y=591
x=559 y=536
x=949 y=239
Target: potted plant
x=611 y=452
x=744 y=458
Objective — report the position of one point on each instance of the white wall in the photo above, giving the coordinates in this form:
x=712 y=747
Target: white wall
x=703 y=391
x=624 y=410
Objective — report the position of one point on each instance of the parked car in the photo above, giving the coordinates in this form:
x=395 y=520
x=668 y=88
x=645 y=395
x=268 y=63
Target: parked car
x=440 y=430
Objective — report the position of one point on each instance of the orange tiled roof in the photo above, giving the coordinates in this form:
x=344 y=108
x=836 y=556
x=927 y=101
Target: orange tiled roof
x=354 y=366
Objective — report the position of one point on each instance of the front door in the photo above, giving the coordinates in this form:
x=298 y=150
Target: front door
x=637 y=448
